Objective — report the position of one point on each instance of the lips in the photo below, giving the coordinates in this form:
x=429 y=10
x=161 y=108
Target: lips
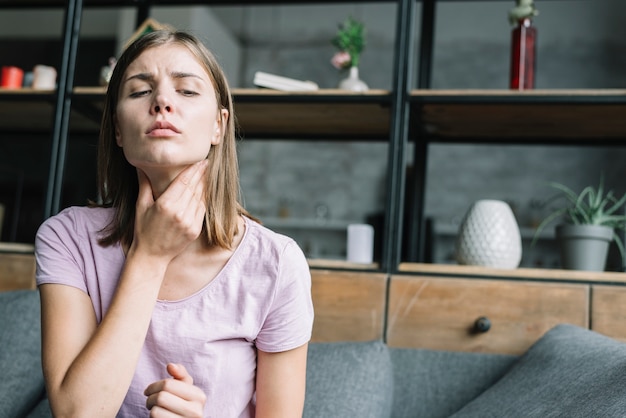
x=162 y=128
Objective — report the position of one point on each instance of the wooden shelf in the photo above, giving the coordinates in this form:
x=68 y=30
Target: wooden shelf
x=16 y=248
x=320 y=263
x=519 y=273
x=26 y=109
x=263 y=113
x=30 y=111
x=333 y=114
x=543 y=116
x=307 y=224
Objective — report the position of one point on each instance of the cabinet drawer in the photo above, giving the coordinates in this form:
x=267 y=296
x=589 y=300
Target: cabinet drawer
x=349 y=306
x=608 y=311
x=438 y=313
x=17 y=271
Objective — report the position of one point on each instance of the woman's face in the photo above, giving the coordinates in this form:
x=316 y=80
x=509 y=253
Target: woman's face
x=167 y=114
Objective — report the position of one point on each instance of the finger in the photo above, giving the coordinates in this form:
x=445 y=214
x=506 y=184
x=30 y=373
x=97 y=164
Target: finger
x=168 y=405
x=190 y=176
x=187 y=190
x=179 y=388
x=190 y=183
x=153 y=388
x=175 y=396
x=195 y=172
x=179 y=372
x=162 y=398
x=158 y=412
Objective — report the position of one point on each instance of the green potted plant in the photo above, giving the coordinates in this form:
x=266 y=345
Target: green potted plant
x=350 y=42
x=590 y=221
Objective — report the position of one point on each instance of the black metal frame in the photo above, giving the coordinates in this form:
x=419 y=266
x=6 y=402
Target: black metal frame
x=395 y=235
x=63 y=107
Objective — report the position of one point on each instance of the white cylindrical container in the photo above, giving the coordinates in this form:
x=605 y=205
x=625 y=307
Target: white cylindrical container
x=44 y=77
x=489 y=236
x=360 y=243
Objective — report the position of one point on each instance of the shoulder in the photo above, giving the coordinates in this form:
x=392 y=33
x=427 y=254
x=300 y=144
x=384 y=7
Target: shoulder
x=67 y=251
x=80 y=220
x=267 y=240
x=272 y=252
x=90 y=217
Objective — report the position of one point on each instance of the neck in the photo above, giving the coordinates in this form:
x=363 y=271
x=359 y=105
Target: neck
x=161 y=178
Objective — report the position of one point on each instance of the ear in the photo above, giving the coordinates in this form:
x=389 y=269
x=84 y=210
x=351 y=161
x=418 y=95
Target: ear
x=220 y=127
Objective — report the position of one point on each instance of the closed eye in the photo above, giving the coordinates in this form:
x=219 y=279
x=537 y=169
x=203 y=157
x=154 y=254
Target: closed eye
x=140 y=93
x=188 y=93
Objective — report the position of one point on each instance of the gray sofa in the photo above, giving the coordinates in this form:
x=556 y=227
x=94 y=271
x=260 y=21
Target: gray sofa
x=569 y=372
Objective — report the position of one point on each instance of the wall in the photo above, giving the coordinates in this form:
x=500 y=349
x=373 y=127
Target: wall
x=198 y=19
x=119 y=23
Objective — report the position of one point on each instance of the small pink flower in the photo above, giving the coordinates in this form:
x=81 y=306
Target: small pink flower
x=341 y=60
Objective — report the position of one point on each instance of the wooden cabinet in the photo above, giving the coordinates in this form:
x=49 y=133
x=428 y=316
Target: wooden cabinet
x=608 y=310
x=17 y=270
x=349 y=306
x=442 y=313
x=440 y=308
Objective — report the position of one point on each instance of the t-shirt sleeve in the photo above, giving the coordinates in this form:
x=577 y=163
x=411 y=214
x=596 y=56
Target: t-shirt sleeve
x=57 y=252
x=289 y=322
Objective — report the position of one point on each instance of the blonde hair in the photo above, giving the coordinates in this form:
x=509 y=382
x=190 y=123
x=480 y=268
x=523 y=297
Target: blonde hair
x=117 y=179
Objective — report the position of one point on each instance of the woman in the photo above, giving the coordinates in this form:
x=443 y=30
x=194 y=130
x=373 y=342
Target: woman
x=168 y=299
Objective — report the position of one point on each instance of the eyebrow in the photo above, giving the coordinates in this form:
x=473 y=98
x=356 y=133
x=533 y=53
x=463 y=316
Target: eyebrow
x=174 y=74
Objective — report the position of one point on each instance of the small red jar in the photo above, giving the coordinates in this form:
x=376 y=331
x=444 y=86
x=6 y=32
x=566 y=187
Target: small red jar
x=12 y=77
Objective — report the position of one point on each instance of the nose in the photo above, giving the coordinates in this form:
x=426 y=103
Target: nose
x=166 y=108
x=161 y=104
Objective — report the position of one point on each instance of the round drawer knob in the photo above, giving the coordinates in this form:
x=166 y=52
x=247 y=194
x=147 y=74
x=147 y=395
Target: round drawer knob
x=482 y=324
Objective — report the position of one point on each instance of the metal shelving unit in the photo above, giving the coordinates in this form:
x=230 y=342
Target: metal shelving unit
x=409 y=113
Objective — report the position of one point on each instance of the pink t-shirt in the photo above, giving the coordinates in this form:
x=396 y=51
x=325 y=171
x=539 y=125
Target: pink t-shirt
x=261 y=299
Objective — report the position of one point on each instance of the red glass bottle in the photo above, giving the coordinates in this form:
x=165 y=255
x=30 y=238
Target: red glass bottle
x=523 y=55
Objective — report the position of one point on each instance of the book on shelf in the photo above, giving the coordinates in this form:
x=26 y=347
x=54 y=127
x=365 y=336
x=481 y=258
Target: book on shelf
x=277 y=82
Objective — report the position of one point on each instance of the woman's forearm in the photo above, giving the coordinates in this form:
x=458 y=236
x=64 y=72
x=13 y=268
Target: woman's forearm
x=95 y=382
x=89 y=370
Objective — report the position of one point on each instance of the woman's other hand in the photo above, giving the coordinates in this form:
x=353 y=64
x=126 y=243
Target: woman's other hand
x=176 y=396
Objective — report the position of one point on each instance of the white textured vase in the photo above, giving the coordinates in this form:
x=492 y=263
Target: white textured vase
x=489 y=236
x=353 y=82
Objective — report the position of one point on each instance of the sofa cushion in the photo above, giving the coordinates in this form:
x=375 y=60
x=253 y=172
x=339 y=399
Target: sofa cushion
x=569 y=372
x=435 y=384
x=348 y=379
x=22 y=384
x=42 y=410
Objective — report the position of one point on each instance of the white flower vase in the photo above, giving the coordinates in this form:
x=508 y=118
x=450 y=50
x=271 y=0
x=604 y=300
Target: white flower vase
x=489 y=236
x=353 y=82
